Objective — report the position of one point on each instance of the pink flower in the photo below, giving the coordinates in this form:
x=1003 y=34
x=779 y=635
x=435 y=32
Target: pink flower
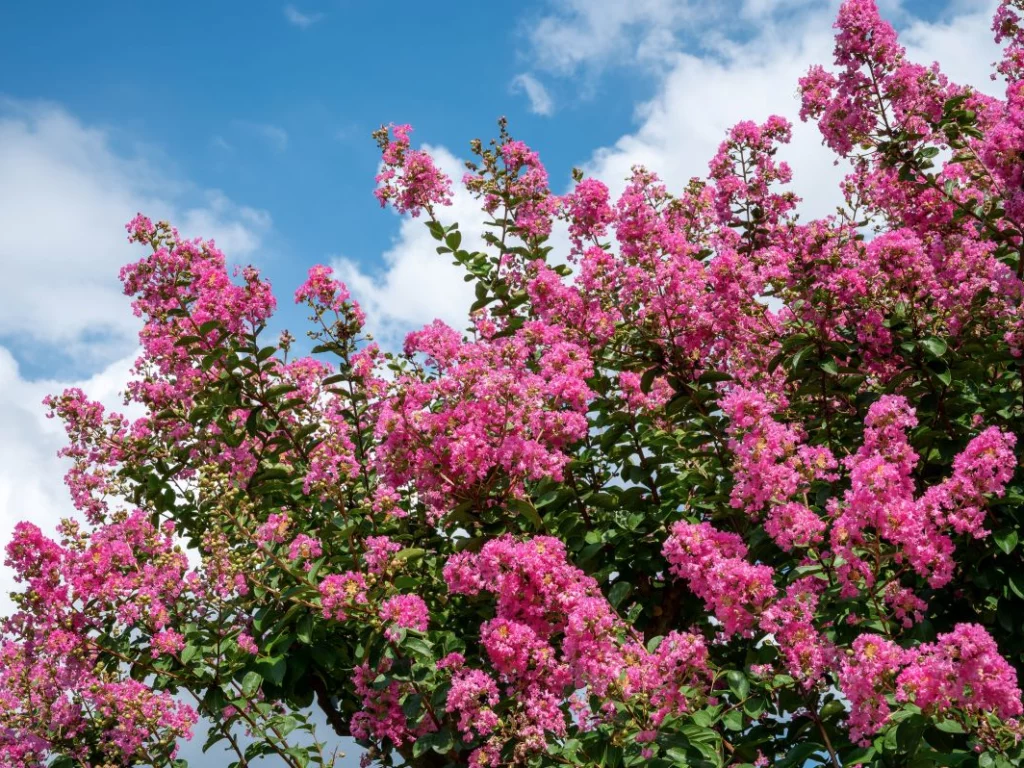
x=168 y=642
x=247 y=644
x=339 y=592
x=409 y=179
x=472 y=697
x=408 y=611
x=712 y=563
x=379 y=550
x=304 y=547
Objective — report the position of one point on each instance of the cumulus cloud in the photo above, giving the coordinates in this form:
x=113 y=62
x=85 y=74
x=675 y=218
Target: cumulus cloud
x=961 y=43
x=30 y=471
x=601 y=33
x=747 y=76
x=540 y=100
x=702 y=96
x=65 y=195
x=416 y=284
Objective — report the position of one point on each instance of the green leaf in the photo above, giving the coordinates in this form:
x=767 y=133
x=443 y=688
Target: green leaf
x=526 y=508
x=941 y=371
x=285 y=724
x=1017 y=585
x=859 y=756
x=280 y=389
x=305 y=629
x=441 y=742
x=909 y=733
x=620 y=591
x=1006 y=540
x=250 y=684
x=189 y=652
x=935 y=346
x=949 y=726
x=273 y=669
x=677 y=756
x=710 y=377
x=410 y=553
x=738 y=683
x=419 y=646
x=733 y=720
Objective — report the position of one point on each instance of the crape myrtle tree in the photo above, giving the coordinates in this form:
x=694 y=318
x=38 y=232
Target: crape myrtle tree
x=713 y=487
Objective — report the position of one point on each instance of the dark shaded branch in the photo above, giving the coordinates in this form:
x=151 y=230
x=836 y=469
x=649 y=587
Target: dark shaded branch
x=335 y=719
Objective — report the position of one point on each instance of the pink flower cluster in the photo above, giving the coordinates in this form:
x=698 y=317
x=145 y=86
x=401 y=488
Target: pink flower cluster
x=701 y=314
x=588 y=212
x=54 y=696
x=322 y=292
x=339 y=593
x=520 y=183
x=182 y=287
x=404 y=611
x=874 y=76
x=962 y=670
x=473 y=696
x=497 y=413
x=98 y=442
x=379 y=552
x=742 y=597
x=713 y=564
x=409 y=180
x=381 y=717
x=772 y=465
x=881 y=498
x=745 y=170
x=553 y=631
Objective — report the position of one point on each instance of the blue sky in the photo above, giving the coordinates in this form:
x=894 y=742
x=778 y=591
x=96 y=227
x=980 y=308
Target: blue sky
x=269 y=106
x=250 y=122
x=273 y=105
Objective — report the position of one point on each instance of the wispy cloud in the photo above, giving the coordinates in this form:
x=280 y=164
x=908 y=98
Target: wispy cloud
x=299 y=19
x=274 y=135
x=540 y=100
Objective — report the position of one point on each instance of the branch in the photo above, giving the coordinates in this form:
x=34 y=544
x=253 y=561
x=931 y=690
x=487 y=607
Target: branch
x=335 y=719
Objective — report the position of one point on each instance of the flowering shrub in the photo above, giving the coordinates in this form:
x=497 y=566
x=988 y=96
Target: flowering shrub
x=715 y=486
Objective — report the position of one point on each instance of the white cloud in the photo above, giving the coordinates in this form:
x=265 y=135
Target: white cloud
x=699 y=99
x=237 y=229
x=65 y=195
x=962 y=44
x=30 y=471
x=299 y=19
x=540 y=100
x=417 y=285
x=273 y=135
x=604 y=32
x=702 y=97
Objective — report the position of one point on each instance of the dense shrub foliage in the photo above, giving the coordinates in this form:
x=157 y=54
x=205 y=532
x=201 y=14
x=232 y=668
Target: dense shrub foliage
x=715 y=486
